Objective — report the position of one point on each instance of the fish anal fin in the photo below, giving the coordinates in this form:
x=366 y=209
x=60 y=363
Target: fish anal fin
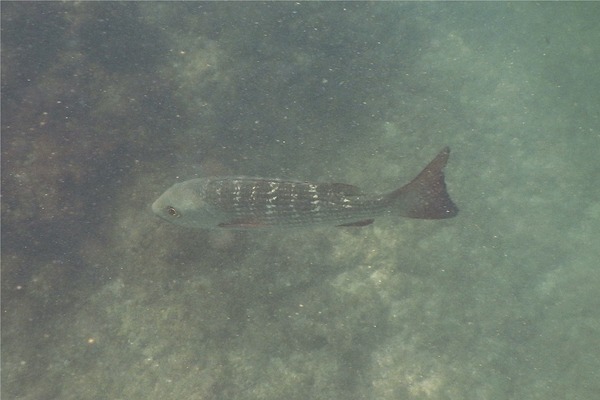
x=363 y=222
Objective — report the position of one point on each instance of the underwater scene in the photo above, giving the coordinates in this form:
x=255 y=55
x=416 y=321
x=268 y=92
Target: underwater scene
x=300 y=200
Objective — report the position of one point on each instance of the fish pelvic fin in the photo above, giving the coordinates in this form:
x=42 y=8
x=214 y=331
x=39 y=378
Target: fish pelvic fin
x=425 y=197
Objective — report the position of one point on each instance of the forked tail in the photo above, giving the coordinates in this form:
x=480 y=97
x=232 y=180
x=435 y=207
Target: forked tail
x=426 y=196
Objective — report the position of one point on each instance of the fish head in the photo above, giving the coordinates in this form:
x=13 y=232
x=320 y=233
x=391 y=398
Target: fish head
x=185 y=204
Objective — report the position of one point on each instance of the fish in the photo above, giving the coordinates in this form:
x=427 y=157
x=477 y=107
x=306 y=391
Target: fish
x=245 y=203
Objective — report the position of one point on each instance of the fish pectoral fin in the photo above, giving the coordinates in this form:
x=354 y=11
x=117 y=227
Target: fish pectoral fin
x=242 y=224
x=364 y=222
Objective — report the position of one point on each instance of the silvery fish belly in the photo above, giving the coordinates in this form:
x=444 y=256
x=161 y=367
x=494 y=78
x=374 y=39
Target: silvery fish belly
x=251 y=203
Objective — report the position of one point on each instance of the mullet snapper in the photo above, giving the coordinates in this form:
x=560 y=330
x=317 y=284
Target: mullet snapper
x=251 y=203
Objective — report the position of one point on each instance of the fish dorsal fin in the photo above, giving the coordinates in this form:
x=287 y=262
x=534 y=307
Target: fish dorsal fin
x=340 y=188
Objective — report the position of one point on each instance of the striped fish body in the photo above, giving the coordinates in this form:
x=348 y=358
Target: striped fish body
x=250 y=203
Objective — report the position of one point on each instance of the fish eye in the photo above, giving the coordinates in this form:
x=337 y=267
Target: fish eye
x=172 y=211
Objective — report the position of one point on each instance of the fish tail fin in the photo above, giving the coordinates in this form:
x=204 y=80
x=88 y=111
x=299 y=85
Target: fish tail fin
x=425 y=197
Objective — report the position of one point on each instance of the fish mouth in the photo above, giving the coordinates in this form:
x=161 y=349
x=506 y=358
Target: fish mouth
x=157 y=208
